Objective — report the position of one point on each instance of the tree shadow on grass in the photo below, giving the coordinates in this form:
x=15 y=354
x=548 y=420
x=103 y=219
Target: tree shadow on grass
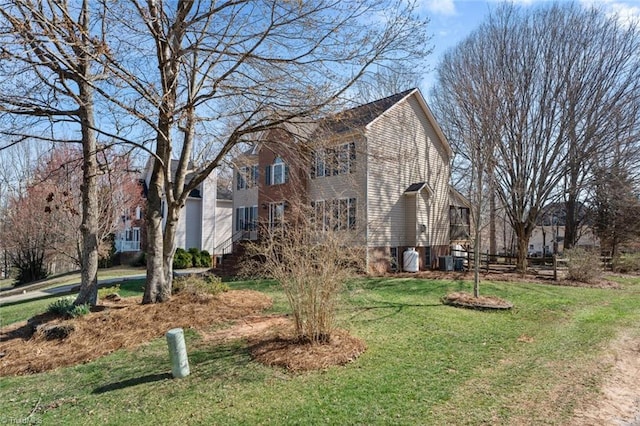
x=396 y=308
x=150 y=378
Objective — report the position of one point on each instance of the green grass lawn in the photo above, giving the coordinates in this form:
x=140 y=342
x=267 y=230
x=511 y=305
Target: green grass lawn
x=22 y=311
x=426 y=363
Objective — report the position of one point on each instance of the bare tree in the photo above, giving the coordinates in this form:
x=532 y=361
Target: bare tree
x=533 y=103
x=223 y=73
x=598 y=60
x=467 y=110
x=615 y=197
x=49 y=51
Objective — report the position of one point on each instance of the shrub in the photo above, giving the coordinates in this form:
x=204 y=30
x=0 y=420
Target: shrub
x=182 y=259
x=195 y=257
x=584 y=266
x=61 y=306
x=199 y=285
x=205 y=258
x=65 y=307
x=79 y=310
x=627 y=263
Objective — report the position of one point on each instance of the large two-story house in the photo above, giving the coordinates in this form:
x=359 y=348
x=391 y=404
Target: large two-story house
x=378 y=173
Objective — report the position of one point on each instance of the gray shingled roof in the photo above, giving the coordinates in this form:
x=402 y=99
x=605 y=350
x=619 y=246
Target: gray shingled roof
x=360 y=116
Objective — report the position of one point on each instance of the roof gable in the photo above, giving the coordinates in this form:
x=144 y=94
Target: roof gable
x=427 y=112
x=360 y=116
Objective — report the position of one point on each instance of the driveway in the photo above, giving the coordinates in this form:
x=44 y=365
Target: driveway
x=37 y=292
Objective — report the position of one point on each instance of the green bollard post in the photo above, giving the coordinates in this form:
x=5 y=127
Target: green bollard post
x=178 y=353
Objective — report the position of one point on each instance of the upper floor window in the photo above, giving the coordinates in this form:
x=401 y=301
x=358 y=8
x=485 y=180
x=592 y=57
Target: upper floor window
x=339 y=160
x=459 y=223
x=277 y=173
x=247 y=177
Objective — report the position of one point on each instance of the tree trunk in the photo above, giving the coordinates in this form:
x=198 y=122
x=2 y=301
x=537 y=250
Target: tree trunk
x=155 y=289
x=493 y=241
x=170 y=245
x=570 y=230
x=89 y=227
x=523 y=245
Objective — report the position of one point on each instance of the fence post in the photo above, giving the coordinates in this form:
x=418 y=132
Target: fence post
x=555 y=267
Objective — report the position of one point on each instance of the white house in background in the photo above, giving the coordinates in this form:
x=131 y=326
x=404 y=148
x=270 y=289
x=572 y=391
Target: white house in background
x=544 y=238
x=204 y=223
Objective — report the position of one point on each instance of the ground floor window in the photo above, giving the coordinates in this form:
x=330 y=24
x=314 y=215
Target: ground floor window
x=276 y=214
x=337 y=214
x=246 y=218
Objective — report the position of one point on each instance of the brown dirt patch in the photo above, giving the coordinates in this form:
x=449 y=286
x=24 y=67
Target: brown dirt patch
x=117 y=325
x=466 y=300
x=619 y=400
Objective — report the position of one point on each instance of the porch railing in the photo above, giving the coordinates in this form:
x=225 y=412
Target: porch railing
x=123 y=246
x=226 y=246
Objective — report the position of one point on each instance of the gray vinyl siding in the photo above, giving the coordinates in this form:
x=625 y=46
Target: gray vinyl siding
x=403 y=148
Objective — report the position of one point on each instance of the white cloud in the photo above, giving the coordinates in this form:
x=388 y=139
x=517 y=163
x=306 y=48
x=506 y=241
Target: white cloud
x=440 y=7
x=624 y=11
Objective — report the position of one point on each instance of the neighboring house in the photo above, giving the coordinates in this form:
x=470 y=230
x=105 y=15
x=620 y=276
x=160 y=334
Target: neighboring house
x=547 y=237
x=204 y=223
x=379 y=173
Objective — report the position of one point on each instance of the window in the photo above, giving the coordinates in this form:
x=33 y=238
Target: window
x=319 y=166
x=277 y=173
x=394 y=258
x=247 y=177
x=132 y=234
x=247 y=218
x=242 y=181
x=459 y=225
x=337 y=215
x=276 y=214
x=339 y=160
x=138 y=213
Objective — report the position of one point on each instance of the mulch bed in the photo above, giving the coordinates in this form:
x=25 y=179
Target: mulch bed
x=117 y=325
x=47 y=342
x=286 y=351
x=466 y=300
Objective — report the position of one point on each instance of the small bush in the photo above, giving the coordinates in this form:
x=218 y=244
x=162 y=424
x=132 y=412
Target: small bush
x=182 y=259
x=65 y=307
x=61 y=306
x=205 y=258
x=195 y=257
x=627 y=263
x=584 y=266
x=199 y=285
x=79 y=310
x=105 y=291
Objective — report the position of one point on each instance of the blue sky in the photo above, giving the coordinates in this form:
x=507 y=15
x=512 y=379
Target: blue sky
x=452 y=20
